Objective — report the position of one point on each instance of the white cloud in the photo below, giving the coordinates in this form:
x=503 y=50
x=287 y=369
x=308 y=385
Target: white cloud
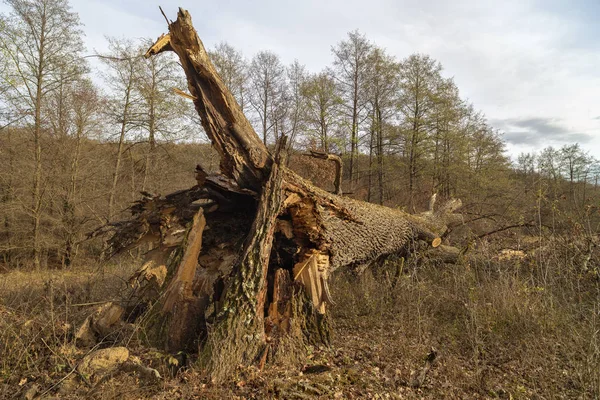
x=515 y=59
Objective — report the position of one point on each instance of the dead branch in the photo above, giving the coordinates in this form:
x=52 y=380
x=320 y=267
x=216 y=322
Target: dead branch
x=505 y=228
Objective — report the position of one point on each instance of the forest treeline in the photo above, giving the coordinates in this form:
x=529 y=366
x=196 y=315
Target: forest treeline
x=80 y=140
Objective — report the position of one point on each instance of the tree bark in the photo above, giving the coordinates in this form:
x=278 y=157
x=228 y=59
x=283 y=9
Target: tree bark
x=270 y=241
x=337 y=160
x=239 y=332
x=244 y=158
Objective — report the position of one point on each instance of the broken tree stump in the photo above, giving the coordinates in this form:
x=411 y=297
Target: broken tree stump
x=238 y=336
x=248 y=252
x=339 y=166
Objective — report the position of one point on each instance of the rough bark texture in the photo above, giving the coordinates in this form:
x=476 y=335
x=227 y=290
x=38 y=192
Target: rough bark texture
x=247 y=254
x=352 y=231
x=337 y=160
x=239 y=334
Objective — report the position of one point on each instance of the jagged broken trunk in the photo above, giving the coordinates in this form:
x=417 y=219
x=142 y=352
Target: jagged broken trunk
x=240 y=263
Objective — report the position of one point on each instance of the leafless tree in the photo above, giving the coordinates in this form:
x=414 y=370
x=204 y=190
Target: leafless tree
x=323 y=109
x=350 y=65
x=42 y=42
x=267 y=91
x=232 y=67
x=123 y=105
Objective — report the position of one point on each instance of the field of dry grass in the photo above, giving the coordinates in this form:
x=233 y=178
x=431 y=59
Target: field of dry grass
x=520 y=329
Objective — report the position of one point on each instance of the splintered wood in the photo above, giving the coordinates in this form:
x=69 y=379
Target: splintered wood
x=313 y=272
x=255 y=207
x=244 y=157
x=150 y=277
x=306 y=222
x=180 y=287
x=280 y=309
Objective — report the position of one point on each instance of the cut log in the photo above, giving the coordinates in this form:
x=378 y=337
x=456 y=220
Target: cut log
x=445 y=254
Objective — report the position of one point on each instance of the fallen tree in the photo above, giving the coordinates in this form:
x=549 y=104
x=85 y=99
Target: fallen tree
x=239 y=264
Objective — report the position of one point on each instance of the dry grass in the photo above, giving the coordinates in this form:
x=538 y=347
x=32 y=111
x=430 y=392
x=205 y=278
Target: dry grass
x=510 y=329
x=39 y=312
x=501 y=330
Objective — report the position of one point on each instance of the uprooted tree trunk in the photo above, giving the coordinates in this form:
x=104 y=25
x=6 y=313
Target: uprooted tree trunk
x=240 y=262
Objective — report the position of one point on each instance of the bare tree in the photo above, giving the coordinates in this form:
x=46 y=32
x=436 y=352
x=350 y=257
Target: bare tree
x=296 y=76
x=86 y=106
x=267 y=91
x=449 y=150
x=42 y=41
x=161 y=110
x=382 y=84
x=350 y=64
x=232 y=67
x=575 y=165
x=323 y=110
x=124 y=65
x=419 y=75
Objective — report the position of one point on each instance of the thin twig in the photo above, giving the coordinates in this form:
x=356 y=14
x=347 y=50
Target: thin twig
x=91 y=304
x=110 y=57
x=73 y=371
x=166 y=19
x=504 y=228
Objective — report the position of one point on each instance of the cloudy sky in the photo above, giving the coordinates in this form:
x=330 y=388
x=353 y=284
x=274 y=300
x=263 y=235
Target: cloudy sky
x=532 y=66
